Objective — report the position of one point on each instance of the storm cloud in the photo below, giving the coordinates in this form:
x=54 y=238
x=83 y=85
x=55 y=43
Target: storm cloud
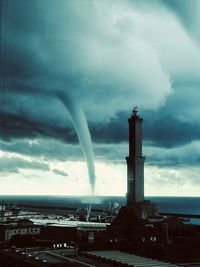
x=88 y=55
x=14 y=164
x=106 y=57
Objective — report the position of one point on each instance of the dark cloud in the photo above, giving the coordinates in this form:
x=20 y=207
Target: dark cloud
x=18 y=126
x=114 y=131
x=14 y=165
x=159 y=129
x=164 y=130
x=43 y=148
x=56 y=46
x=173 y=157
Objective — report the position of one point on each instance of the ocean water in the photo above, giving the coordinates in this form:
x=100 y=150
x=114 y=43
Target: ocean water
x=185 y=205
x=182 y=205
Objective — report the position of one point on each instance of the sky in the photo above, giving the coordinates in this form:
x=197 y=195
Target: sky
x=71 y=73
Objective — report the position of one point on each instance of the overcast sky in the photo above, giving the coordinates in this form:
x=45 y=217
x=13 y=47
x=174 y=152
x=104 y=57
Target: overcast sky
x=71 y=73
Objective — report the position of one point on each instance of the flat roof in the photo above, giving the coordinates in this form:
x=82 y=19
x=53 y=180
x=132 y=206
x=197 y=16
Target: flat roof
x=130 y=259
x=78 y=224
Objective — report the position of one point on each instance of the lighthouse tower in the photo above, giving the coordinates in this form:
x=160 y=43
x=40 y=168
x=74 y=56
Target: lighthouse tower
x=135 y=161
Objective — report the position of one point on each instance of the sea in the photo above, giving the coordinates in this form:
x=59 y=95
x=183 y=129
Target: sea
x=177 y=205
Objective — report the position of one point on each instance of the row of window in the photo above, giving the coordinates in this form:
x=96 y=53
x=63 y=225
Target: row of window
x=29 y=230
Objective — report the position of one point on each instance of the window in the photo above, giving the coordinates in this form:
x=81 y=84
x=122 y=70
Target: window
x=153 y=238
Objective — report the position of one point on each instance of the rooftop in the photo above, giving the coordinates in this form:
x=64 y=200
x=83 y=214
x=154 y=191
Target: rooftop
x=129 y=259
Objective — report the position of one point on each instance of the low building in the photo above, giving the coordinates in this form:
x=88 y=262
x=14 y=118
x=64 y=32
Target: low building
x=79 y=232
x=7 y=231
x=89 y=232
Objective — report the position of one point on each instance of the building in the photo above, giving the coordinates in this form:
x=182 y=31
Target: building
x=7 y=231
x=135 y=161
x=80 y=232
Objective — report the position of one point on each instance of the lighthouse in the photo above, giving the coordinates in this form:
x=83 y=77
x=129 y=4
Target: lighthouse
x=135 y=161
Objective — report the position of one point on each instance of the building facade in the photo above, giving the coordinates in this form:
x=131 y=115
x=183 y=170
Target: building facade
x=7 y=231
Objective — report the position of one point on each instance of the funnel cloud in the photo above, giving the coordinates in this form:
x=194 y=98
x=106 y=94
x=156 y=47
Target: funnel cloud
x=80 y=124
